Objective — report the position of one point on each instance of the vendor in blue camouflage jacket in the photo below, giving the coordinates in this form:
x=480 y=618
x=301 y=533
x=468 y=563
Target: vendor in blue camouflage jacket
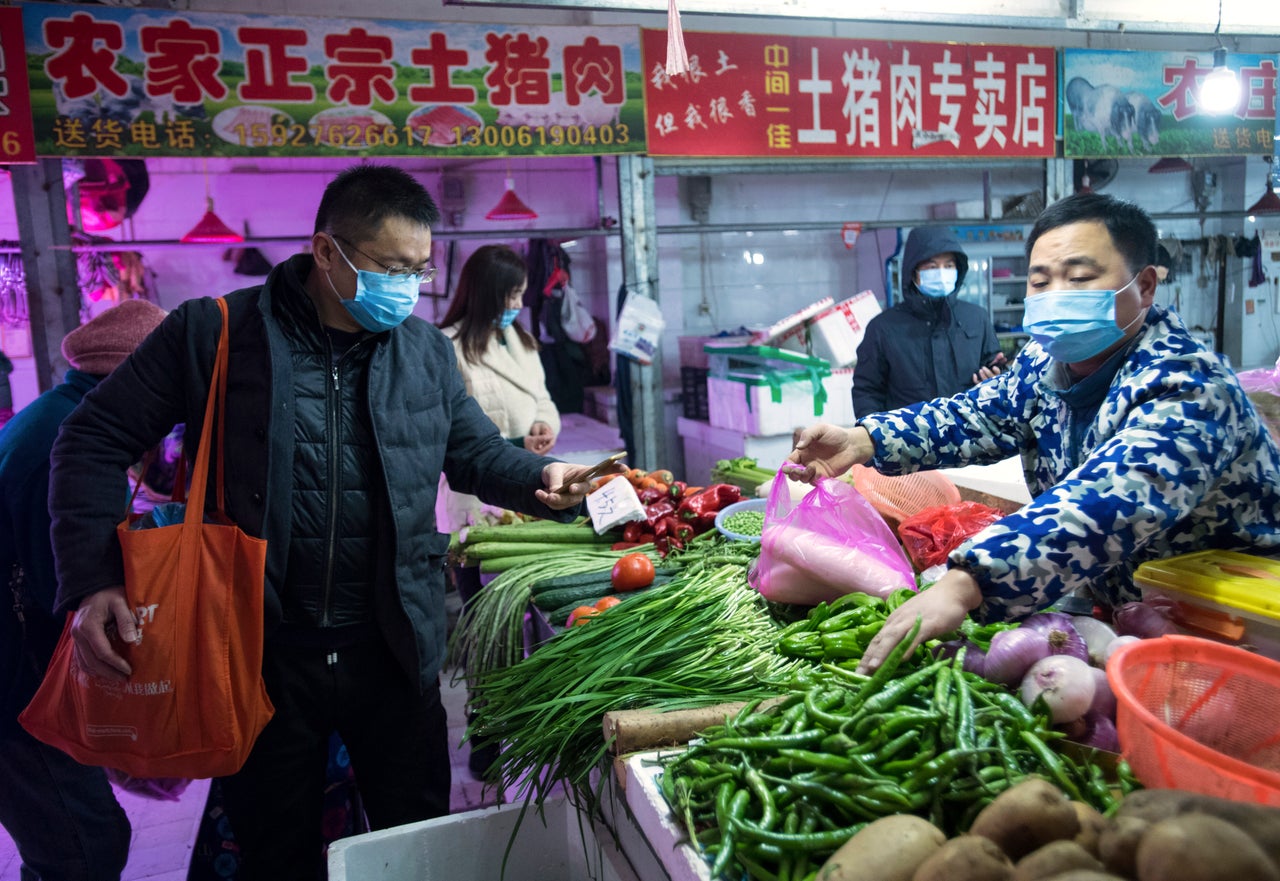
x=1137 y=442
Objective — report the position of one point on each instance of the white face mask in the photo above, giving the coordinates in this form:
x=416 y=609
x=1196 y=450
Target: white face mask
x=938 y=283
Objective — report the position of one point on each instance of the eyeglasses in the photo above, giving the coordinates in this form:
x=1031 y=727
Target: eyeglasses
x=424 y=275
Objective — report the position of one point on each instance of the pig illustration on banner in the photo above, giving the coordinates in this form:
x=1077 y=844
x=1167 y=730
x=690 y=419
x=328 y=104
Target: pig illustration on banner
x=1146 y=119
x=1103 y=110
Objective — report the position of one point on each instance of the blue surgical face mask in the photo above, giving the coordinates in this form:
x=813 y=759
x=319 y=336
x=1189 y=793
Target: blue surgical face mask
x=381 y=301
x=1074 y=326
x=508 y=318
x=938 y=283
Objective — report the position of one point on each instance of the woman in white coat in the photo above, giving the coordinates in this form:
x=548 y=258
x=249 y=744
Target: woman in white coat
x=499 y=361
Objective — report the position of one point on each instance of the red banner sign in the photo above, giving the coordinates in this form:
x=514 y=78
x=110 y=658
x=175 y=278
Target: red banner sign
x=767 y=95
x=17 y=137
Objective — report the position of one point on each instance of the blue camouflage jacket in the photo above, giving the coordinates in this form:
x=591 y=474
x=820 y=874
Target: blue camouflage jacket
x=1176 y=460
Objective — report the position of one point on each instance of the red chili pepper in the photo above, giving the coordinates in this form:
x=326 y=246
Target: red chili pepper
x=666 y=544
x=659 y=509
x=682 y=531
x=633 y=531
x=677 y=489
x=651 y=494
x=669 y=525
x=627 y=545
x=709 y=501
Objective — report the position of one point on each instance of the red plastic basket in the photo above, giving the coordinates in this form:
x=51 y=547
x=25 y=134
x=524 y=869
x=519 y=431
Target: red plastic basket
x=1198 y=715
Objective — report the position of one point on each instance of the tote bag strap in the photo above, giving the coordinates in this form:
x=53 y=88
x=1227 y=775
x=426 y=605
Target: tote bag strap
x=216 y=405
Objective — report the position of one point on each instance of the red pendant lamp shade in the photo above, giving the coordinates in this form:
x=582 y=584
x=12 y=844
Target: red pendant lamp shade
x=1169 y=165
x=510 y=207
x=210 y=228
x=1268 y=204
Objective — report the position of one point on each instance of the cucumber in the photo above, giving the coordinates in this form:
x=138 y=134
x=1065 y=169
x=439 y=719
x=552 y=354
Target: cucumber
x=556 y=582
x=553 y=599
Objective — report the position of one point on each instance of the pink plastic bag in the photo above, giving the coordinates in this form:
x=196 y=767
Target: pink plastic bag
x=830 y=543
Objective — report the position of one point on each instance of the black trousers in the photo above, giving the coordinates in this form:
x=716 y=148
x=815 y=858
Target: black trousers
x=397 y=740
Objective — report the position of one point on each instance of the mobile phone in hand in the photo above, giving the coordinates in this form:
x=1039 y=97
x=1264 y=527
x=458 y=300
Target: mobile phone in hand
x=998 y=361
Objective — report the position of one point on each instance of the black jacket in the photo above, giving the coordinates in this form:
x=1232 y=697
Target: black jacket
x=421 y=418
x=922 y=348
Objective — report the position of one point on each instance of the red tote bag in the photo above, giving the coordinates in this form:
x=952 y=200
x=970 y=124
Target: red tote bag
x=196 y=701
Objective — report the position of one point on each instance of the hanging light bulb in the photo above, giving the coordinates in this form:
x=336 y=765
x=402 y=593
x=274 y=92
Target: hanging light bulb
x=210 y=227
x=510 y=207
x=1220 y=89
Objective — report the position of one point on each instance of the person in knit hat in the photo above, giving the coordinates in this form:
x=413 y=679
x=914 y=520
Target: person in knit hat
x=63 y=816
x=98 y=346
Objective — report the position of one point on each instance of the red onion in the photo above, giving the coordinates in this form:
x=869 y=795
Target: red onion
x=1104 y=699
x=1012 y=653
x=974 y=657
x=1118 y=643
x=1065 y=683
x=1101 y=733
x=1062 y=634
x=1097 y=635
x=1144 y=620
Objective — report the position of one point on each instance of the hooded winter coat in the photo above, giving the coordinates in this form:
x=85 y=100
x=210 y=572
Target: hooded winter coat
x=922 y=348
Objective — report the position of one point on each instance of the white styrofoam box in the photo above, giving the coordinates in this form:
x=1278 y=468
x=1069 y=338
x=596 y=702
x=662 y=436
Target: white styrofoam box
x=836 y=333
x=666 y=834
x=560 y=844
x=704 y=445
x=767 y=336
x=744 y=401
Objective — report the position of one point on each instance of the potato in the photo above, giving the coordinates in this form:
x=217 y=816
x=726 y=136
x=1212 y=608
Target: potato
x=1259 y=822
x=966 y=858
x=889 y=849
x=1200 y=847
x=1118 y=844
x=1085 y=875
x=1027 y=816
x=1055 y=858
x=1091 y=825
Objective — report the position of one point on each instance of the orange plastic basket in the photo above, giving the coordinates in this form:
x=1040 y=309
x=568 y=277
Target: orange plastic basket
x=1199 y=715
x=897 y=498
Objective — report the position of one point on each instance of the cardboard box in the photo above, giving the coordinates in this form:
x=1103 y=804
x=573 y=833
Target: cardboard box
x=1223 y=595
x=471 y=847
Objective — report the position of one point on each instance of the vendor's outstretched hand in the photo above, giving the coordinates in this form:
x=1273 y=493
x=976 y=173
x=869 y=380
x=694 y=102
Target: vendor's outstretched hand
x=825 y=450
x=941 y=609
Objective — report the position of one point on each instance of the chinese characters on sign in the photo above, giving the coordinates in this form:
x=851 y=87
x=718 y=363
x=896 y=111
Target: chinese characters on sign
x=143 y=82
x=764 y=95
x=17 y=139
x=1125 y=103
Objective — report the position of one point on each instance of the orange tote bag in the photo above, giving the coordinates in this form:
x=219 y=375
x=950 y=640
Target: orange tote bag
x=196 y=701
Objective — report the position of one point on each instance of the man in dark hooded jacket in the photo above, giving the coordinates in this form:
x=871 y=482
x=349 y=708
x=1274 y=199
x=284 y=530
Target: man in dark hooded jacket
x=932 y=344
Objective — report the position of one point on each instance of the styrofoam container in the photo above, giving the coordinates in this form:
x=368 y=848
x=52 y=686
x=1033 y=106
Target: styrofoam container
x=836 y=333
x=773 y=402
x=1224 y=595
x=561 y=844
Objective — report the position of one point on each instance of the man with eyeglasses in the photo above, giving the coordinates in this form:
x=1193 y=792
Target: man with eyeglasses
x=343 y=409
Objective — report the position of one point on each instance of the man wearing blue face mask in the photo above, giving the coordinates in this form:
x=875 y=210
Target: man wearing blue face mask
x=343 y=410
x=930 y=344
x=1137 y=442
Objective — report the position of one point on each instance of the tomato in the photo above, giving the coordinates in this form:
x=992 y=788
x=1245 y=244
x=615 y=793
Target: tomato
x=581 y=615
x=606 y=603
x=632 y=572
